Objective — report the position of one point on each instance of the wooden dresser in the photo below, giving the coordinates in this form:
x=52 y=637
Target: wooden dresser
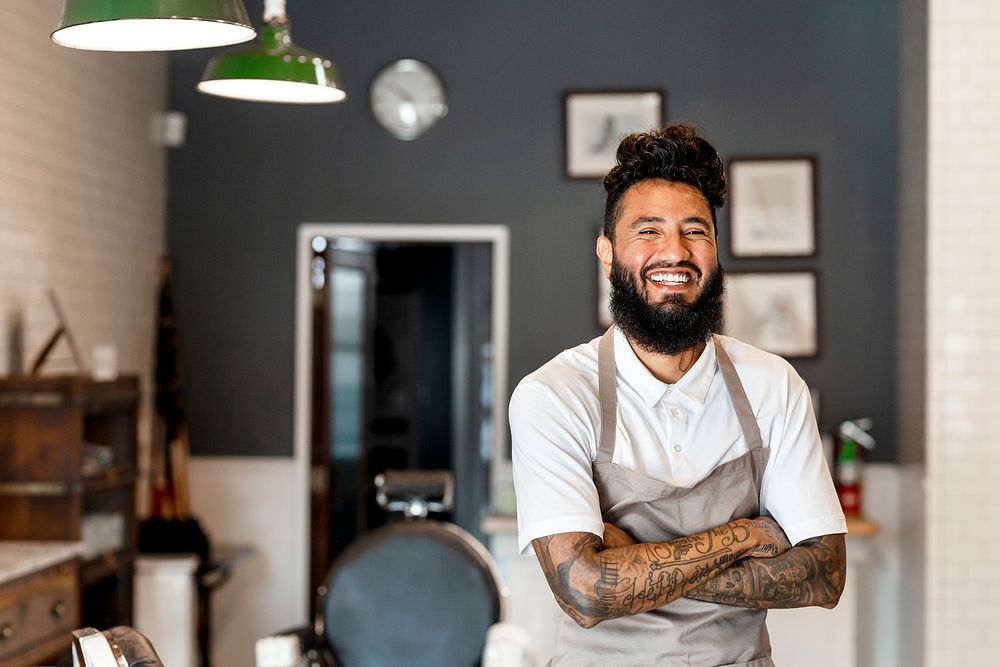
x=68 y=472
x=39 y=600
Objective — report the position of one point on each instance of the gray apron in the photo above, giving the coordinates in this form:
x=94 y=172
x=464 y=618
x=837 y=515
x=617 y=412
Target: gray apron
x=683 y=632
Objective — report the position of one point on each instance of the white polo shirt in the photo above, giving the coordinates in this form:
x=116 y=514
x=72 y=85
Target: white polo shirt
x=676 y=434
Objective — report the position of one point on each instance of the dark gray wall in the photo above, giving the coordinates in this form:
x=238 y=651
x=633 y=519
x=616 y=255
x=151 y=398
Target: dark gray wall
x=762 y=78
x=911 y=235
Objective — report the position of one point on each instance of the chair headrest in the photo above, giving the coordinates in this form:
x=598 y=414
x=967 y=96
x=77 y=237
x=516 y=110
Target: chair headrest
x=415 y=492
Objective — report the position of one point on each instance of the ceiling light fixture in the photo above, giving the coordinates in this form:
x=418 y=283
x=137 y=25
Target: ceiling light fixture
x=152 y=25
x=274 y=70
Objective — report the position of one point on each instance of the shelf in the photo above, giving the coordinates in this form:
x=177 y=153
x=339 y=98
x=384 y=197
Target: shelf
x=858 y=527
x=44 y=488
x=73 y=457
x=102 y=481
x=70 y=391
x=104 y=565
x=497 y=524
x=110 y=479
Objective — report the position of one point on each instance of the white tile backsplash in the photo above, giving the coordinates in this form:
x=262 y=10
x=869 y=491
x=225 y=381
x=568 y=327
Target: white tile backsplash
x=82 y=192
x=963 y=316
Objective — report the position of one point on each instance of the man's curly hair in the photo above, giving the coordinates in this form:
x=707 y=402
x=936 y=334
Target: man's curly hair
x=674 y=153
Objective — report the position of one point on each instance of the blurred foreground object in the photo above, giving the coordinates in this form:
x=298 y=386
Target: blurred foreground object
x=120 y=646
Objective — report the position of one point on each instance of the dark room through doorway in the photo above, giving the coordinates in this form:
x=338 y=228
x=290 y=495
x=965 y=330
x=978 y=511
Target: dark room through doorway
x=402 y=378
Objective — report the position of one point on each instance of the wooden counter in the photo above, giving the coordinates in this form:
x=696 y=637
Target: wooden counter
x=39 y=600
x=860 y=527
x=498 y=525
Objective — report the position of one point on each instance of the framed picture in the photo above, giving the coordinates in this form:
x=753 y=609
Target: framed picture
x=776 y=311
x=773 y=207
x=596 y=121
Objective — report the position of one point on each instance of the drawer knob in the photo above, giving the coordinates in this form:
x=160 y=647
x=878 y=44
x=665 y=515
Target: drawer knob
x=6 y=631
x=58 y=609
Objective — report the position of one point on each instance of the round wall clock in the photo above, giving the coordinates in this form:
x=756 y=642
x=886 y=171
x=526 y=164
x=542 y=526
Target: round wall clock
x=408 y=98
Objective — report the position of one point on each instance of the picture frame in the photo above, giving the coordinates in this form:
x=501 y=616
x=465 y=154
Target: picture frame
x=772 y=207
x=776 y=311
x=62 y=331
x=595 y=122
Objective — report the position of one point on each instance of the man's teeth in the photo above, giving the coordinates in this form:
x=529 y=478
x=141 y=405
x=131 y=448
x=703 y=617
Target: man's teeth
x=670 y=278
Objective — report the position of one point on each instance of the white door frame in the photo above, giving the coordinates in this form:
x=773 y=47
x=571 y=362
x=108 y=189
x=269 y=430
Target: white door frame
x=499 y=237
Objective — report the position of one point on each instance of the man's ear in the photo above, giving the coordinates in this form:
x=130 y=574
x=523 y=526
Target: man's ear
x=605 y=253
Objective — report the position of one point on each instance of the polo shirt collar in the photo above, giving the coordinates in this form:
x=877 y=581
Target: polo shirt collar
x=694 y=385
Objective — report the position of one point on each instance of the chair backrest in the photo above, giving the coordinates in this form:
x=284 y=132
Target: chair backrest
x=411 y=593
x=120 y=646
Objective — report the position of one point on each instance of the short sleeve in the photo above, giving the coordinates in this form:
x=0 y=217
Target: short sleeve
x=552 y=466
x=797 y=489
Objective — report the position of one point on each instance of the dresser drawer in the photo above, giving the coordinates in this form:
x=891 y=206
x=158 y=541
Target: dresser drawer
x=38 y=609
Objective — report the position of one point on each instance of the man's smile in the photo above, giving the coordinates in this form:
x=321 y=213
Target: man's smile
x=669 y=277
x=676 y=276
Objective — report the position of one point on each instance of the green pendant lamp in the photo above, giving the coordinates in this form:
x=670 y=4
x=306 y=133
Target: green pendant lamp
x=274 y=70
x=152 y=25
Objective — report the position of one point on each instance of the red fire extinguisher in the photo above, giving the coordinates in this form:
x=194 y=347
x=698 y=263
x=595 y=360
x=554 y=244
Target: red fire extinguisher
x=854 y=439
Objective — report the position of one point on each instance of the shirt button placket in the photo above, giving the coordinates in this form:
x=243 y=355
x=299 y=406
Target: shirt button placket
x=677 y=429
x=674 y=428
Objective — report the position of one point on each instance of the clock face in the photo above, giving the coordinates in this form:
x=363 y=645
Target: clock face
x=408 y=98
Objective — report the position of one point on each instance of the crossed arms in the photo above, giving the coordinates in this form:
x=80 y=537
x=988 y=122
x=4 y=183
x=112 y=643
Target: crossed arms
x=744 y=563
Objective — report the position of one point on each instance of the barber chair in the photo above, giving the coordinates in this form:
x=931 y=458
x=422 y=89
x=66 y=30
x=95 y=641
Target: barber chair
x=416 y=592
x=121 y=646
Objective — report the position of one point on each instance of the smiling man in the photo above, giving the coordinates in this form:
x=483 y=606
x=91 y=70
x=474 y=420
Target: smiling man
x=670 y=479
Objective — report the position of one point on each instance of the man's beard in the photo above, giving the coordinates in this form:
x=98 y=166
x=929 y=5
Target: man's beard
x=671 y=326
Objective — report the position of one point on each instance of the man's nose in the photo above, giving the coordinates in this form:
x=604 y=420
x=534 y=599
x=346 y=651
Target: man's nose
x=672 y=247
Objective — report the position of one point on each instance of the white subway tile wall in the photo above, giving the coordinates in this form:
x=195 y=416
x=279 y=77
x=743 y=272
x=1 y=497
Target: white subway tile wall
x=963 y=311
x=82 y=193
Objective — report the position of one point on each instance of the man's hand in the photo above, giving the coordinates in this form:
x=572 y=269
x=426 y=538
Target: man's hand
x=616 y=537
x=773 y=541
x=594 y=579
x=810 y=574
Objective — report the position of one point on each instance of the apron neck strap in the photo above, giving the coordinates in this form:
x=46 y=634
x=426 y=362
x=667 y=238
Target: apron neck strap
x=607 y=390
x=738 y=397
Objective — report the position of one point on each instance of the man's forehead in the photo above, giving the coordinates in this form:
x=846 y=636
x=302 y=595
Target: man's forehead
x=656 y=193
x=651 y=185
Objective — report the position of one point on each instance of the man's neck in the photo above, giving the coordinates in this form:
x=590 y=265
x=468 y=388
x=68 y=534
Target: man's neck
x=668 y=368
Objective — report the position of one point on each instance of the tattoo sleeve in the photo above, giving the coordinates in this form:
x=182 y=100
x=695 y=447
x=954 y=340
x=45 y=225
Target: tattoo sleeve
x=592 y=583
x=810 y=574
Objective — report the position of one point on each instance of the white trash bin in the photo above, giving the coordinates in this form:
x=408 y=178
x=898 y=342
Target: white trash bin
x=166 y=606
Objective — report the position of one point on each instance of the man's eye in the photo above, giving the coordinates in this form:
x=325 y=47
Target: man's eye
x=697 y=232
x=648 y=231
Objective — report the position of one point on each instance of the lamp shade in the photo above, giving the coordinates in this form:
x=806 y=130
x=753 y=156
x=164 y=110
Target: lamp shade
x=152 y=25
x=274 y=70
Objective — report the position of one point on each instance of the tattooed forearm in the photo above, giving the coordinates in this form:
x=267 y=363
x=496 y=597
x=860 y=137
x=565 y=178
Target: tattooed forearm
x=810 y=574
x=592 y=582
x=561 y=577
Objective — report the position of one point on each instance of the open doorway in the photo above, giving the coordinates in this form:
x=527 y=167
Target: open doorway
x=406 y=369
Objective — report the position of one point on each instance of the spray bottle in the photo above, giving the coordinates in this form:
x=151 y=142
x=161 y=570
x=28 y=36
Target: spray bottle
x=854 y=439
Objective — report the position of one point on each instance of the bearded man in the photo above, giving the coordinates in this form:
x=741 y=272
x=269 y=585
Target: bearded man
x=670 y=479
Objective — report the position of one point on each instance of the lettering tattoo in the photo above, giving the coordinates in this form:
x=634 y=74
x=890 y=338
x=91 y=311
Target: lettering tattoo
x=810 y=574
x=593 y=583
